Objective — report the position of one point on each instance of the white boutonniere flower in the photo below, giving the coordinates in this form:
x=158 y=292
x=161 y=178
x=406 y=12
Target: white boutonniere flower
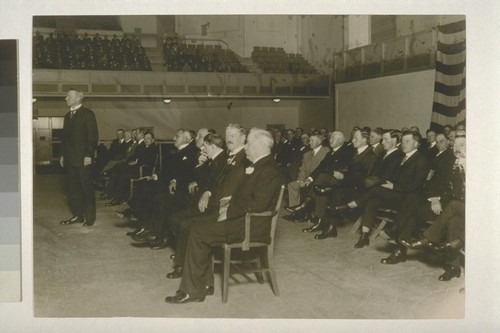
x=233 y=163
x=249 y=170
x=184 y=158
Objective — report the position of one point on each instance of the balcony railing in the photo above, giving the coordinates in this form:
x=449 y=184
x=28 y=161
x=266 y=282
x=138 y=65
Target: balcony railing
x=404 y=54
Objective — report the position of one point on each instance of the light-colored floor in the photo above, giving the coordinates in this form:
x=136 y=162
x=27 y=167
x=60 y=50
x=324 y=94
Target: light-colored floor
x=95 y=272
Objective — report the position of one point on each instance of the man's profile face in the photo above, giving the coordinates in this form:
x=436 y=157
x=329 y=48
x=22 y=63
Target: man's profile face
x=148 y=139
x=442 y=142
x=234 y=139
x=408 y=143
x=72 y=99
x=387 y=141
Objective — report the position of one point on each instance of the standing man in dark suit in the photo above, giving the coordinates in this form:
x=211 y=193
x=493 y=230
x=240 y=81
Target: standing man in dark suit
x=257 y=193
x=79 y=142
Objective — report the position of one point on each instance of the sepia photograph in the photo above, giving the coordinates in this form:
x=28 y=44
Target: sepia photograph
x=147 y=131
x=265 y=166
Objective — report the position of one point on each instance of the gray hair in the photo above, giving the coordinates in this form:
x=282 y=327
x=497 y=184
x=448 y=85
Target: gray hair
x=263 y=137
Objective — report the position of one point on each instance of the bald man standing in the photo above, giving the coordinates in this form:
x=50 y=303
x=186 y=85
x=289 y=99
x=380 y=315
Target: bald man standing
x=79 y=142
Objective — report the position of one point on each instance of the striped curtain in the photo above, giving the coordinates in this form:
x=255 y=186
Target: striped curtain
x=449 y=88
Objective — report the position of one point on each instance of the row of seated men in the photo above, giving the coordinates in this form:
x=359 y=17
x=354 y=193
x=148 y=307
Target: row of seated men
x=83 y=52
x=171 y=206
x=209 y=179
x=386 y=169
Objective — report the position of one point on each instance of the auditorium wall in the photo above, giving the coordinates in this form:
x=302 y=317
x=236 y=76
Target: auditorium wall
x=390 y=102
x=194 y=113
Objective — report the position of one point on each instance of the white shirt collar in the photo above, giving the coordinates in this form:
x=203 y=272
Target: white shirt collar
x=236 y=151
x=258 y=159
x=140 y=141
x=362 y=149
x=409 y=154
x=76 y=107
x=183 y=146
x=390 y=151
x=316 y=150
x=215 y=156
x=375 y=145
x=433 y=144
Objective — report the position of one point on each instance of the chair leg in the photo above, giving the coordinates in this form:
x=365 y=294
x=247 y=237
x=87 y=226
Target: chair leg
x=377 y=231
x=356 y=226
x=272 y=272
x=259 y=275
x=225 y=276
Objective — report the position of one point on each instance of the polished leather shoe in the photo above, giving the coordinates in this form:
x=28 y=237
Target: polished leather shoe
x=304 y=207
x=181 y=298
x=330 y=232
x=144 y=237
x=323 y=189
x=341 y=208
x=209 y=290
x=74 y=219
x=394 y=258
x=316 y=227
x=176 y=273
x=136 y=231
x=450 y=273
x=363 y=241
x=159 y=244
x=416 y=244
x=438 y=247
x=88 y=223
x=111 y=203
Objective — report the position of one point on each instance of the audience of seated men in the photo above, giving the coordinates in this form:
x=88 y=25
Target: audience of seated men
x=223 y=179
x=342 y=186
x=446 y=236
x=143 y=158
x=171 y=192
x=310 y=161
x=409 y=177
x=304 y=147
x=336 y=160
x=420 y=207
x=197 y=275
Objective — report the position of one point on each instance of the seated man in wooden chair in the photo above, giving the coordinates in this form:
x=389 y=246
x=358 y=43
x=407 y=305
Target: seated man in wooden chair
x=257 y=193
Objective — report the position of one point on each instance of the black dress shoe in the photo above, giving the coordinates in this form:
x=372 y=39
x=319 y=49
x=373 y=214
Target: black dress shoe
x=416 y=244
x=135 y=232
x=322 y=190
x=363 y=241
x=209 y=290
x=306 y=206
x=341 y=208
x=450 y=273
x=438 y=247
x=330 y=232
x=182 y=297
x=144 y=237
x=394 y=258
x=74 y=219
x=159 y=244
x=88 y=223
x=316 y=227
x=176 y=273
x=111 y=203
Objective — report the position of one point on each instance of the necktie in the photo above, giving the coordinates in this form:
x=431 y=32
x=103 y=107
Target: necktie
x=72 y=113
x=404 y=159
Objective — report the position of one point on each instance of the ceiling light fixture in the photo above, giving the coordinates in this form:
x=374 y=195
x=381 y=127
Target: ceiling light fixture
x=276 y=100
x=167 y=100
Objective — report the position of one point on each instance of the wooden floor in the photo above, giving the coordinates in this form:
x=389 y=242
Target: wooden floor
x=95 y=272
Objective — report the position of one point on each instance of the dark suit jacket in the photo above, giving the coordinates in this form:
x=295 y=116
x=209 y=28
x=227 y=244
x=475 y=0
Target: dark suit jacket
x=147 y=156
x=385 y=167
x=257 y=192
x=214 y=174
x=442 y=166
x=293 y=170
x=80 y=137
x=181 y=167
x=379 y=151
x=233 y=174
x=410 y=176
x=358 y=168
x=429 y=153
x=333 y=161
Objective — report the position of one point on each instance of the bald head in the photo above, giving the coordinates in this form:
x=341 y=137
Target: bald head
x=337 y=139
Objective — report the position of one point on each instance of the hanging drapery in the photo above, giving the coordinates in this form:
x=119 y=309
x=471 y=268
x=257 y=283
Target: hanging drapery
x=449 y=88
